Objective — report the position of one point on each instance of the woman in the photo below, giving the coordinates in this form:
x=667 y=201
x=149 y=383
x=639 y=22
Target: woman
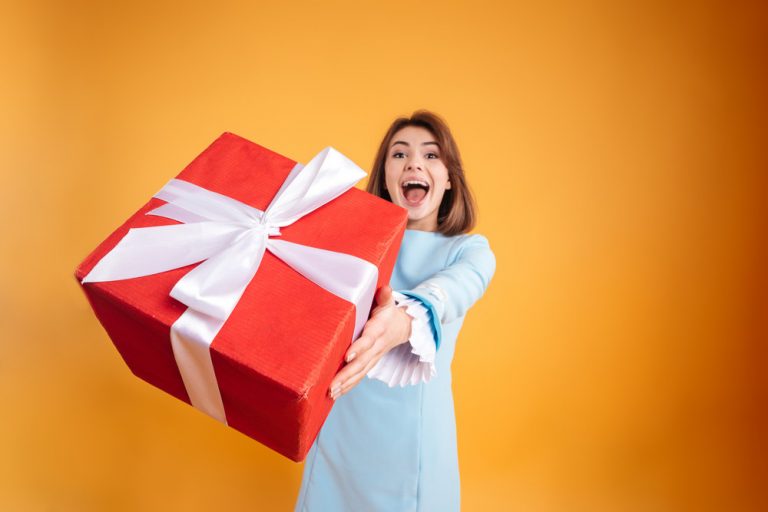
x=389 y=443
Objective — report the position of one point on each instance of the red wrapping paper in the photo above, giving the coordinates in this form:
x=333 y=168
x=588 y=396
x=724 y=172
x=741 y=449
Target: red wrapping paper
x=278 y=351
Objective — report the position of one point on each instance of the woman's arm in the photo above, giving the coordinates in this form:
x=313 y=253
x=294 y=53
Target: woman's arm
x=447 y=295
x=453 y=290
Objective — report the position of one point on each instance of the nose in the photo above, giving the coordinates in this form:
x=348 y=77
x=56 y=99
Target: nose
x=414 y=164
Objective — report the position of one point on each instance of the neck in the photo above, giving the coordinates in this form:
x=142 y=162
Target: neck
x=422 y=224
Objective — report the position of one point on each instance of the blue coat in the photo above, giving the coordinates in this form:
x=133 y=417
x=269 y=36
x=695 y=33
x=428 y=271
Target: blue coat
x=394 y=449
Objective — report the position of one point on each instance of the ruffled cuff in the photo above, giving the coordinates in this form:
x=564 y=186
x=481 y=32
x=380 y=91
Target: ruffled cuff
x=412 y=362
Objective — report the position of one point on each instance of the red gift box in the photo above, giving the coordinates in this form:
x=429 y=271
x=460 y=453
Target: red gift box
x=278 y=350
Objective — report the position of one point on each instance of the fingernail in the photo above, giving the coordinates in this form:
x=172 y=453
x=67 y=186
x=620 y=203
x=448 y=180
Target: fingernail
x=334 y=392
x=351 y=356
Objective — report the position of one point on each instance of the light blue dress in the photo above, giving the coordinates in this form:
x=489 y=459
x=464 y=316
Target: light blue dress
x=393 y=449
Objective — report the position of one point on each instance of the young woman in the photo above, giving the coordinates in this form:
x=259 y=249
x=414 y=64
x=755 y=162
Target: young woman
x=389 y=443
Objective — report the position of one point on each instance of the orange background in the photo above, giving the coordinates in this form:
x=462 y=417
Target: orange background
x=617 y=362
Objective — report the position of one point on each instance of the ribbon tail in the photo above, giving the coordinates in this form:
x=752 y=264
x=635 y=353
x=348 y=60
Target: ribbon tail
x=191 y=338
x=211 y=290
x=346 y=276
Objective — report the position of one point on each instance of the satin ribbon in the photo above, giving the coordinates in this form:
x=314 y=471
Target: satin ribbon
x=229 y=238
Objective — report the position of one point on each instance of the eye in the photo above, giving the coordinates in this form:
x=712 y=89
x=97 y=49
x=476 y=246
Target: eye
x=432 y=155
x=398 y=154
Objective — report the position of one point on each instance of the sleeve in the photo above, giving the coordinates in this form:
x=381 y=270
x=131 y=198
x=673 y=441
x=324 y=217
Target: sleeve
x=412 y=362
x=453 y=290
x=442 y=298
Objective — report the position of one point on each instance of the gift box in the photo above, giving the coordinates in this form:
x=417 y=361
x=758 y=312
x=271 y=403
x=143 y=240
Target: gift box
x=239 y=286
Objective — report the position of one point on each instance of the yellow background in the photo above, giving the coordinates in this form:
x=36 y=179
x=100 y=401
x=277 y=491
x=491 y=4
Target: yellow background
x=617 y=151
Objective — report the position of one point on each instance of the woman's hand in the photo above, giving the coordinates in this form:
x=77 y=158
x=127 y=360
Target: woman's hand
x=388 y=327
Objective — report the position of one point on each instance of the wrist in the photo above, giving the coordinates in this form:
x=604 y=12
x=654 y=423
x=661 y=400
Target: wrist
x=405 y=321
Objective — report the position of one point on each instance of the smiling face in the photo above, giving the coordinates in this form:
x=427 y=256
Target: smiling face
x=416 y=176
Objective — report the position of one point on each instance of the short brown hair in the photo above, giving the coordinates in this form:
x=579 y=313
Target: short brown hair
x=456 y=214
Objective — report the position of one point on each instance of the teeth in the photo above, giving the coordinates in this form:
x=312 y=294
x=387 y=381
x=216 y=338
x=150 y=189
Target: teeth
x=415 y=182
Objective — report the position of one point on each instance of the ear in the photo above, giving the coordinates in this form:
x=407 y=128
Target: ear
x=448 y=185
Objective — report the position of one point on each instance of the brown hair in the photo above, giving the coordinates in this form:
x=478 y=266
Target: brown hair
x=456 y=214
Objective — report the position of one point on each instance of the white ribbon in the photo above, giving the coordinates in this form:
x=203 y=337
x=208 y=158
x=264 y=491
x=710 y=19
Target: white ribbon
x=229 y=238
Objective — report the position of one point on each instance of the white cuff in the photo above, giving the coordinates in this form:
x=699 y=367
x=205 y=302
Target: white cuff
x=412 y=362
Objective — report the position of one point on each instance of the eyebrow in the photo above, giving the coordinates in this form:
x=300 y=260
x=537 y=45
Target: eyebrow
x=406 y=144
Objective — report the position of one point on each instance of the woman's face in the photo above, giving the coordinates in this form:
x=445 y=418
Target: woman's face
x=416 y=176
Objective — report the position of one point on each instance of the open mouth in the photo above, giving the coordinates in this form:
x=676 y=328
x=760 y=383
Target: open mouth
x=414 y=191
